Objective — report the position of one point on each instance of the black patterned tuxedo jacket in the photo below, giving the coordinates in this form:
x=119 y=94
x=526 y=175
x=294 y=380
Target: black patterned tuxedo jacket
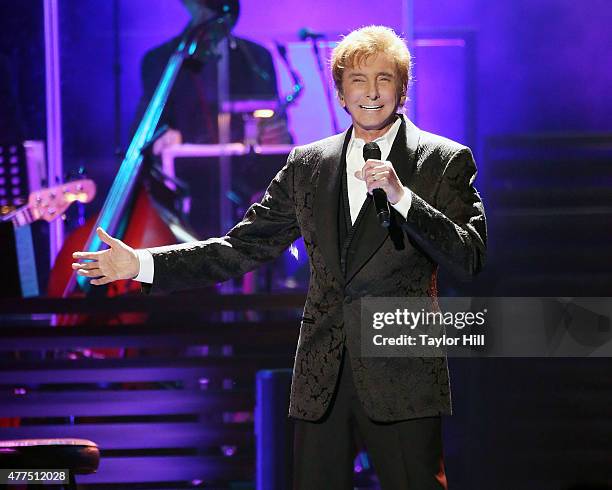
x=445 y=226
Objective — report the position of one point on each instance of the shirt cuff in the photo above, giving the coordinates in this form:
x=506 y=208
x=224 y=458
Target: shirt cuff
x=147 y=266
x=403 y=205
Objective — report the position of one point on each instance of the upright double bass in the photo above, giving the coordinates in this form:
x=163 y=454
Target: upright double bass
x=128 y=211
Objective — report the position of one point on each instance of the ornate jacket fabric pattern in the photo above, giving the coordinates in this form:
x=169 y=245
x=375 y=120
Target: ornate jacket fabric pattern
x=445 y=227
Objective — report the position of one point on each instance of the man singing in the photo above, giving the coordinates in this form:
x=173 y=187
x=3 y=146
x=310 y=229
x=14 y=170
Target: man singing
x=323 y=194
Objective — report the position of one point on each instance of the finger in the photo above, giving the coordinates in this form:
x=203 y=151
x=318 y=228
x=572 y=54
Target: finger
x=369 y=181
x=377 y=166
x=377 y=176
x=90 y=273
x=375 y=163
x=377 y=184
x=368 y=165
x=86 y=265
x=106 y=238
x=382 y=174
x=101 y=281
x=377 y=170
x=359 y=175
x=87 y=255
x=381 y=168
x=371 y=166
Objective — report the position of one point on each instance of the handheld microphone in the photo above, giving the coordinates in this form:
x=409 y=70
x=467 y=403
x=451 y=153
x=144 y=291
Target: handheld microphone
x=371 y=151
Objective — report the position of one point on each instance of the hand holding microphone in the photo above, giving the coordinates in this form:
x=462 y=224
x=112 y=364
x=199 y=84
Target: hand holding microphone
x=382 y=182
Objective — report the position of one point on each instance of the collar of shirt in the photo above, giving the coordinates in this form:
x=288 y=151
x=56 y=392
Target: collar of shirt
x=354 y=154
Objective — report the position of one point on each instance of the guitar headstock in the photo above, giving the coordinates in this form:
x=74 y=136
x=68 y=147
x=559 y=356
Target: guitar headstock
x=50 y=203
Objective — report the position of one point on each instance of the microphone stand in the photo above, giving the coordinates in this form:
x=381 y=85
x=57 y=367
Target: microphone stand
x=328 y=95
x=298 y=85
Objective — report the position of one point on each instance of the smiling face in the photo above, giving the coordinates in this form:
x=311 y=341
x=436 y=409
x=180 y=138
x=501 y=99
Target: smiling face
x=371 y=93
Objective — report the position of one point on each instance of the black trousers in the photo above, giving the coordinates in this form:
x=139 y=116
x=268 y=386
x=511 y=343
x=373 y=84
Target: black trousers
x=406 y=455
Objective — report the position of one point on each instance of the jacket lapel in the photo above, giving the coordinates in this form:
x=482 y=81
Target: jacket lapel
x=404 y=151
x=327 y=193
x=368 y=235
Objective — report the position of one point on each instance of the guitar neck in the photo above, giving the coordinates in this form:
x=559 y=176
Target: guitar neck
x=23 y=216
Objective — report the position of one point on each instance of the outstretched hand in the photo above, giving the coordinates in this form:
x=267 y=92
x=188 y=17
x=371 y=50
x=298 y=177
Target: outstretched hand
x=117 y=262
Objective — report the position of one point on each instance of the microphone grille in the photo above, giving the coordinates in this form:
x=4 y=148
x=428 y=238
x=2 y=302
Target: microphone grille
x=371 y=151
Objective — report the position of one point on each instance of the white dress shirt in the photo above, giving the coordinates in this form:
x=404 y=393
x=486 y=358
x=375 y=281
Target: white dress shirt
x=147 y=266
x=357 y=190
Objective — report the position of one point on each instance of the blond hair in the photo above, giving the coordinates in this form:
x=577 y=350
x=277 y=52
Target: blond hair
x=369 y=41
